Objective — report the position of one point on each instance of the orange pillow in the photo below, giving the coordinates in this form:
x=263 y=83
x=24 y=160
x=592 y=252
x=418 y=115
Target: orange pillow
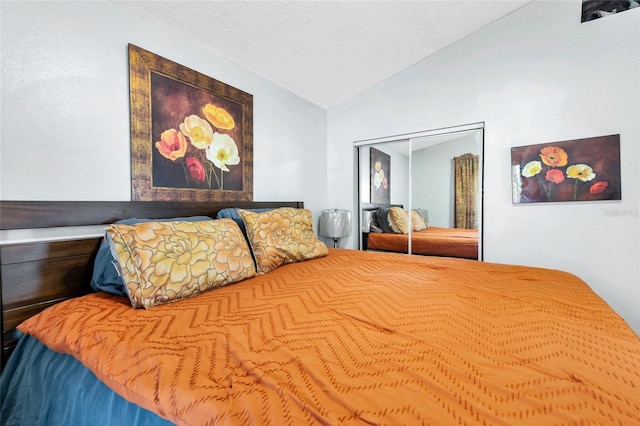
x=167 y=261
x=281 y=236
x=417 y=222
x=398 y=220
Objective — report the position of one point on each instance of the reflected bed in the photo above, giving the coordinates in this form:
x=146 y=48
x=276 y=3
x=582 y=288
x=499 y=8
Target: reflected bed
x=386 y=227
x=434 y=241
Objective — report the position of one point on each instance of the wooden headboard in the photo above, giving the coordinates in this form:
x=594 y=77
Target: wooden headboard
x=376 y=206
x=36 y=273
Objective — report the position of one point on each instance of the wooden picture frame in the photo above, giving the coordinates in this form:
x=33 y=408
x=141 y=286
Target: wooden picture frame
x=191 y=135
x=380 y=176
x=573 y=170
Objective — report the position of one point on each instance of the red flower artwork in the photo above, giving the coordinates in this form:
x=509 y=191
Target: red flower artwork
x=554 y=175
x=572 y=170
x=598 y=187
x=196 y=169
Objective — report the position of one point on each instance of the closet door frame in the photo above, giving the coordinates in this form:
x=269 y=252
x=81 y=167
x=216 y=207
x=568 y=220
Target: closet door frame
x=410 y=137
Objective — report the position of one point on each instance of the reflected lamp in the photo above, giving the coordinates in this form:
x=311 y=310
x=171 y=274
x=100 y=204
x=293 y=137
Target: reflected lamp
x=335 y=223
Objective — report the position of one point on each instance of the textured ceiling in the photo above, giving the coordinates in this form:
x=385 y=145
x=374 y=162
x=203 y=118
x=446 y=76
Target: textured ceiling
x=324 y=51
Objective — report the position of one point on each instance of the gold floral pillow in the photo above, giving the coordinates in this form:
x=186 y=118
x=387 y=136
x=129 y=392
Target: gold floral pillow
x=417 y=222
x=398 y=220
x=281 y=236
x=167 y=261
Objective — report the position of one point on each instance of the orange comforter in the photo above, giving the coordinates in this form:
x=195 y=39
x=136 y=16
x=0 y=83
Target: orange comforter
x=433 y=241
x=359 y=337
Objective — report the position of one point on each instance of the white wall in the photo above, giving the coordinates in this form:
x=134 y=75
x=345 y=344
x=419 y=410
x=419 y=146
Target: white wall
x=538 y=75
x=65 y=107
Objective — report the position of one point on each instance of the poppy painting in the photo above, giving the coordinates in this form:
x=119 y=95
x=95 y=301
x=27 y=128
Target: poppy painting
x=573 y=170
x=191 y=136
x=380 y=170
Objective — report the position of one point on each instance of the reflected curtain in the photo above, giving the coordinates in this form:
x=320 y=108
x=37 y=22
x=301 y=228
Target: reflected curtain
x=466 y=191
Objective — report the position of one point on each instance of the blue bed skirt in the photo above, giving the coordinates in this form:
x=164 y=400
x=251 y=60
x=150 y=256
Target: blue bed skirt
x=41 y=387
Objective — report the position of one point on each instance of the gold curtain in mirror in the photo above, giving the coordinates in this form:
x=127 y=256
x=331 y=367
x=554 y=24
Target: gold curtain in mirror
x=466 y=191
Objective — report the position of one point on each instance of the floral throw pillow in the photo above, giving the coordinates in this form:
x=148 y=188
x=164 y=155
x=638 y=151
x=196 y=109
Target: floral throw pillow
x=167 y=261
x=281 y=236
x=398 y=220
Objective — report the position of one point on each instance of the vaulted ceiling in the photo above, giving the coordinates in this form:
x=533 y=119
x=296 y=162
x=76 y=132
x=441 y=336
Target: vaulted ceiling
x=324 y=51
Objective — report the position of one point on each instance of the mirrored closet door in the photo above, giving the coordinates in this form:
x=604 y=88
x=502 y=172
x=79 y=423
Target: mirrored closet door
x=421 y=193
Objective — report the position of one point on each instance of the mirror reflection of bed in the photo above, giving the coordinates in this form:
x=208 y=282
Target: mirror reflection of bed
x=436 y=174
x=430 y=241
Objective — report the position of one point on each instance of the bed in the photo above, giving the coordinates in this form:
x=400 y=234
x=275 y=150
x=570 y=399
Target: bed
x=430 y=241
x=433 y=241
x=346 y=337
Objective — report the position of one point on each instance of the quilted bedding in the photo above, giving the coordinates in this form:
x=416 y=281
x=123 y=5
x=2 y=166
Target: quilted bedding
x=433 y=241
x=364 y=337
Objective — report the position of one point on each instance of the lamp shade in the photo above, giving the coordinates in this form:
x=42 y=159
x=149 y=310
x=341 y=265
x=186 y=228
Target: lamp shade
x=366 y=221
x=335 y=223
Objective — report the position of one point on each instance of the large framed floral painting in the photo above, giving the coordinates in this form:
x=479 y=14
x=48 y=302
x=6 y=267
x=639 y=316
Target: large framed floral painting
x=573 y=170
x=380 y=169
x=191 y=135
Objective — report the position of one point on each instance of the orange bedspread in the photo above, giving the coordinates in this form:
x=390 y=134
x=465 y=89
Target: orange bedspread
x=365 y=337
x=433 y=241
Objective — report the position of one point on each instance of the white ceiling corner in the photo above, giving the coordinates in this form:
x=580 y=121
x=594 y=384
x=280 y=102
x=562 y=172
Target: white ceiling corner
x=324 y=51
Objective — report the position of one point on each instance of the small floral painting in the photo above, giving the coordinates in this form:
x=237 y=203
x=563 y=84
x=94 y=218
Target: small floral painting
x=191 y=135
x=573 y=170
x=380 y=176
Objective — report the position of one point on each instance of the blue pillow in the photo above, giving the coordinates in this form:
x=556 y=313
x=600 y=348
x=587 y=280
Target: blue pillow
x=106 y=277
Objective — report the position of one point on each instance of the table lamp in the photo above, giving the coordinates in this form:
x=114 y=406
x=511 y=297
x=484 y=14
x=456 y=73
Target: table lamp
x=335 y=223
